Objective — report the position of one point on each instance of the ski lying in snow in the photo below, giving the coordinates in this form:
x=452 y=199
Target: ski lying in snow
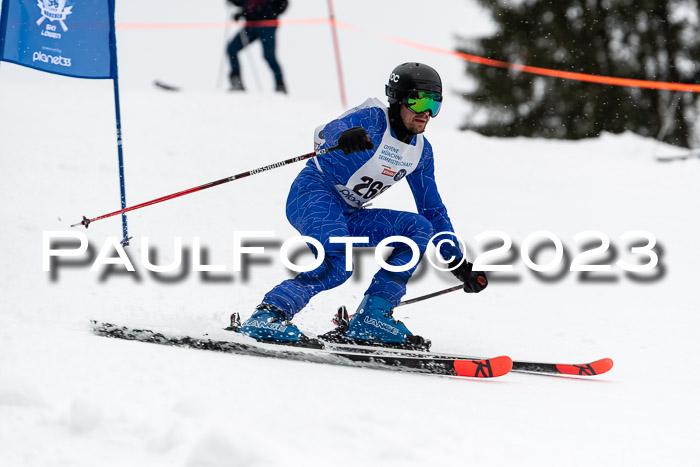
x=376 y=357
x=678 y=157
x=335 y=340
x=166 y=86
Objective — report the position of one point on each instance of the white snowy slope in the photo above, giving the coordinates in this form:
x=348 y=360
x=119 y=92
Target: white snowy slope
x=68 y=397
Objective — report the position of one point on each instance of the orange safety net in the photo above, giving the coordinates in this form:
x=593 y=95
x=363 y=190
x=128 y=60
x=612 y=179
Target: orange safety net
x=611 y=80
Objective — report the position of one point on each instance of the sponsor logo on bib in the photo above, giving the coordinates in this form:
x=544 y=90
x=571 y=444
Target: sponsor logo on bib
x=400 y=174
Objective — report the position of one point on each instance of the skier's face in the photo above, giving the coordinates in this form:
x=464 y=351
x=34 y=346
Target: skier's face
x=414 y=122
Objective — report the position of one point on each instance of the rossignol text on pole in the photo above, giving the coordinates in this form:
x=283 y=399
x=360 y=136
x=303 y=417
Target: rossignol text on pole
x=86 y=222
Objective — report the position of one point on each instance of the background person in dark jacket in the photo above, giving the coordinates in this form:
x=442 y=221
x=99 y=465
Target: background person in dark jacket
x=256 y=10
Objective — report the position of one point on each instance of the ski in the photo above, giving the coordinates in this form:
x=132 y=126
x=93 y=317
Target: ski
x=166 y=86
x=379 y=358
x=335 y=340
x=597 y=367
x=678 y=157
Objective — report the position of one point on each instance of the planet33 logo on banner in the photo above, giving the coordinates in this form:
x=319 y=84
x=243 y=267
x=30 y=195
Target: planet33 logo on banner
x=54 y=10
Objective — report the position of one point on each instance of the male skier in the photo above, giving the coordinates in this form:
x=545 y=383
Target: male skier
x=379 y=147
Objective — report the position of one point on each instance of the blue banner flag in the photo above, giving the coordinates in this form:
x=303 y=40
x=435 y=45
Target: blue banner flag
x=67 y=37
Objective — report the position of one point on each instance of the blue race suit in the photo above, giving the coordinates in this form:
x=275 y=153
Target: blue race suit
x=327 y=197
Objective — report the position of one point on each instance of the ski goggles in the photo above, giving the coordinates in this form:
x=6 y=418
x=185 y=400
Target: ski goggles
x=420 y=101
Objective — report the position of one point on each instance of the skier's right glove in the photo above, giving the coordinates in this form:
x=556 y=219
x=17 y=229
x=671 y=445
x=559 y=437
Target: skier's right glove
x=354 y=140
x=474 y=281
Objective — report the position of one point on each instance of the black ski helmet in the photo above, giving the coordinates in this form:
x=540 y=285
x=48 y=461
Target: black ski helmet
x=412 y=76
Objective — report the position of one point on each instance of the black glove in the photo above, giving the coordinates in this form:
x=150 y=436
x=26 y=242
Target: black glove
x=238 y=16
x=354 y=140
x=474 y=281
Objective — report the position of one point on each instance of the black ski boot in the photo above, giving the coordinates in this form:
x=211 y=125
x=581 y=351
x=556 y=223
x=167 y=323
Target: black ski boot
x=236 y=83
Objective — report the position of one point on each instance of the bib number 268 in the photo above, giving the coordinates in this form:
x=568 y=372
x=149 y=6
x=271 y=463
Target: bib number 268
x=373 y=188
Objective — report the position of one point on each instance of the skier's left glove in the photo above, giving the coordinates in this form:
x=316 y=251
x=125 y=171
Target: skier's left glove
x=474 y=281
x=354 y=140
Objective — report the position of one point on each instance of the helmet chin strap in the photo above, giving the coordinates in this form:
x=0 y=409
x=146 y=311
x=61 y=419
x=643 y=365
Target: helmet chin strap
x=402 y=133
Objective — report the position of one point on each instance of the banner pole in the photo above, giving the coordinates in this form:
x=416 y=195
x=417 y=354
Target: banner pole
x=120 y=153
x=114 y=74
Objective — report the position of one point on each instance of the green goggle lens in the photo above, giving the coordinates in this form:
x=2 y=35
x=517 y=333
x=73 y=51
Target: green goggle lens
x=420 y=101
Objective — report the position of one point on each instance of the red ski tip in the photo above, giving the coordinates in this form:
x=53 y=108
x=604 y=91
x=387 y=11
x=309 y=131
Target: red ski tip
x=589 y=369
x=487 y=368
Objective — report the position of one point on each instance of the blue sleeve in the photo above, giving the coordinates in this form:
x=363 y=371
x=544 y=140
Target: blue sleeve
x=371 y=119
x=337 y=166
x=428 y=200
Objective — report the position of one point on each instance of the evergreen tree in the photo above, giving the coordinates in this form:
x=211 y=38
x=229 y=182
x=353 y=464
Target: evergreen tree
x=656 y=40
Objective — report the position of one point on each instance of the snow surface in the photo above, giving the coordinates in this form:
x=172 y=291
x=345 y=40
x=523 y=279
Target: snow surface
x=68 y=397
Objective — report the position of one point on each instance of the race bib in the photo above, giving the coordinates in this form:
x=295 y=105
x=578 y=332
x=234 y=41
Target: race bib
x=391 y=162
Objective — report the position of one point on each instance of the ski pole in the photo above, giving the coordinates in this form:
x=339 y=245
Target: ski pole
x=430 y=295
x=86 y=222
